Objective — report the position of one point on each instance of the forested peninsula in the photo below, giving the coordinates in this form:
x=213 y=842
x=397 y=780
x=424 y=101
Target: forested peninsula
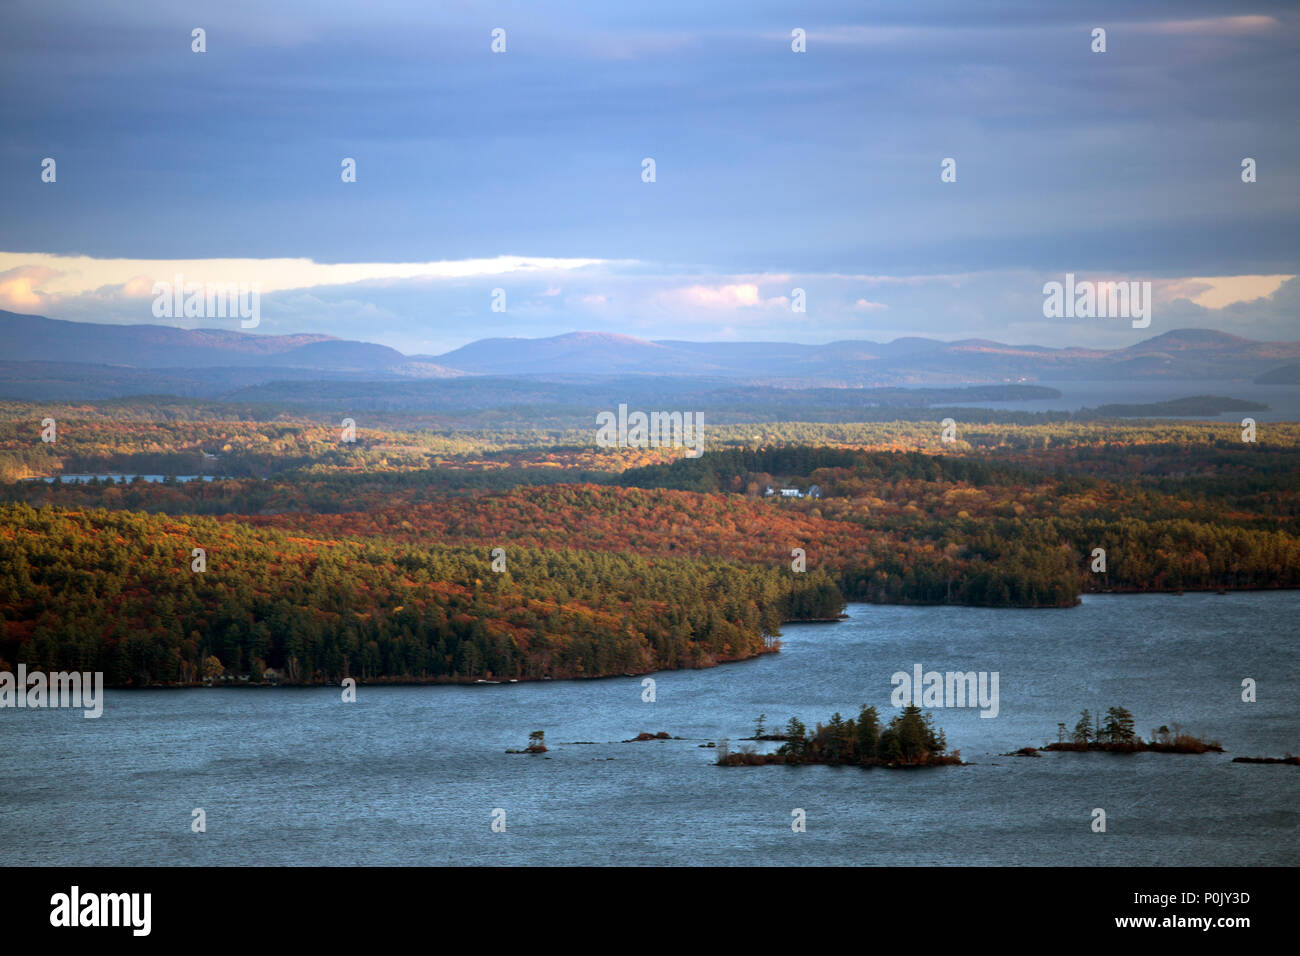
x=417 y=556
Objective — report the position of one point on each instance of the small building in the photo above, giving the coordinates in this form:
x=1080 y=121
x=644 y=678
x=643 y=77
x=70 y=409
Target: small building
x=791 y=493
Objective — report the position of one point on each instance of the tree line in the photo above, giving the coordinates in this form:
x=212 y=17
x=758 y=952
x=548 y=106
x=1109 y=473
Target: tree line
x=118 y=592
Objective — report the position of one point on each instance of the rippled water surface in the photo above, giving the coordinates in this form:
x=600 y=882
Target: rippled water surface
x=411 y=775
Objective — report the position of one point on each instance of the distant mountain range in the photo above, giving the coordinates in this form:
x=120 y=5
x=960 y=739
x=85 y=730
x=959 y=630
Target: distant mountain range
x=47 y=358
x=34 y=338
x=1183 y=353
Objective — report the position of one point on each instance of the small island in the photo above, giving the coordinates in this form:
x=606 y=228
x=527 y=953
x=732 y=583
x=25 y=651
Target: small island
x=1117 y=735
x=909 y=740
x=536 y=744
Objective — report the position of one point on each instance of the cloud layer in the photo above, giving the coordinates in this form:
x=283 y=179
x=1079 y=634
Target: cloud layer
x=433 y=307
x=775 y=169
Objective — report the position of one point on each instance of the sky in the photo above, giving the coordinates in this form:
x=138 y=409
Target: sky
x=775 y=170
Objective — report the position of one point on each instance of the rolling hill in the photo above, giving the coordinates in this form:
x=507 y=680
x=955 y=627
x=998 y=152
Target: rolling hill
x=49 y=358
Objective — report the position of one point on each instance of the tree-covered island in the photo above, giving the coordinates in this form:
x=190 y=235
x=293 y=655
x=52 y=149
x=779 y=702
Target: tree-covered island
x=909 y=740
x=1116 y=734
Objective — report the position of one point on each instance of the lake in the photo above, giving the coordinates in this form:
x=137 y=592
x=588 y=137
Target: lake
x=1283 y=401
x=411 y=775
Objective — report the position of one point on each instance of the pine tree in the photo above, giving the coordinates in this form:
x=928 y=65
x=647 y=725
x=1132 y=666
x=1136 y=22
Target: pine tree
x=834 y=738
x=796 y=742
x=868 y=734
x=1119 y=726
x=1083 y=729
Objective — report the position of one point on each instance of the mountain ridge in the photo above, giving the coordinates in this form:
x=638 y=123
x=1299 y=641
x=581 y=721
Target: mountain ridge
x=909 y=360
